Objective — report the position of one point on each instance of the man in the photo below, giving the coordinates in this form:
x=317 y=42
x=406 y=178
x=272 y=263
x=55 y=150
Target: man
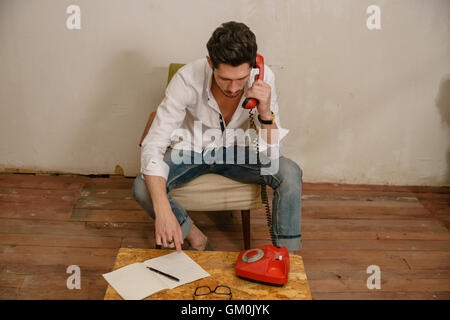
x=203 y=96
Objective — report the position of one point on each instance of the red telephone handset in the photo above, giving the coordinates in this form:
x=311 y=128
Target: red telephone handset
x=250 y=103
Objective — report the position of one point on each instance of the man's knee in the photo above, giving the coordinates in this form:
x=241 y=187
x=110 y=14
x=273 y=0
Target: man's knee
x=290 y=172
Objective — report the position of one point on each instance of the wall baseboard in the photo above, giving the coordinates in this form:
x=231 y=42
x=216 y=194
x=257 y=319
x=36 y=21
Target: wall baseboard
x=59 y=173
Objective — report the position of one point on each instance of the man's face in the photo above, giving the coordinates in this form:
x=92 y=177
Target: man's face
x=231 y=80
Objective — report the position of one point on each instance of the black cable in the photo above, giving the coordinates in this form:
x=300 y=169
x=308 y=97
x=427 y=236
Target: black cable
x=264 y=197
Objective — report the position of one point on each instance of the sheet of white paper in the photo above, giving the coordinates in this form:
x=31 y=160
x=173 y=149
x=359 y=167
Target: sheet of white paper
x=179 y=265
x=136 y=281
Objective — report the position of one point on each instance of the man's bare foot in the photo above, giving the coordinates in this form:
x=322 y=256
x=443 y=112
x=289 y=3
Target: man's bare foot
x=196 y=238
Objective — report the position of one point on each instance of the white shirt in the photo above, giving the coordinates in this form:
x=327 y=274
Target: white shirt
x=189 y=100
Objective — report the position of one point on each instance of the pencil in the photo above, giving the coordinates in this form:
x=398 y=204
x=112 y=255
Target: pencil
x=164 y=274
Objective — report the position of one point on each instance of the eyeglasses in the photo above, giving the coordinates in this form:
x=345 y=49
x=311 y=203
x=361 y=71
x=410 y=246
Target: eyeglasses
x=205 y=290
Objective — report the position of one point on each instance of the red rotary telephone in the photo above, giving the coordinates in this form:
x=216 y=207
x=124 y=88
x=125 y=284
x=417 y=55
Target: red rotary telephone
x=267 y=264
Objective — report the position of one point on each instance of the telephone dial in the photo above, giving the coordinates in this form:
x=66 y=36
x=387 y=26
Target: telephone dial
x=267 y=264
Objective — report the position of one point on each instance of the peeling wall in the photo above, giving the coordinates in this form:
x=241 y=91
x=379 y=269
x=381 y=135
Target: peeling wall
x=363 y=106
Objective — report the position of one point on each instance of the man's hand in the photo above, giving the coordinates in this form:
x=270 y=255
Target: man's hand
x=261 y=91
x=168 y=229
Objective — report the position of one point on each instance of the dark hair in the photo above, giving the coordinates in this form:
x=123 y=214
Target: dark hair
x=232 y=43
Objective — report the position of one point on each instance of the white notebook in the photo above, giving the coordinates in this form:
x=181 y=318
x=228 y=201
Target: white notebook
x=136 y=281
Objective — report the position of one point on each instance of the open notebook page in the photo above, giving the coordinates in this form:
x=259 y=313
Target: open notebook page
x=136 y=281
x=179 y=265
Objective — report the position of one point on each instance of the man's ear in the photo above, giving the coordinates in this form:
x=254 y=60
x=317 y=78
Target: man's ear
x=209 y=62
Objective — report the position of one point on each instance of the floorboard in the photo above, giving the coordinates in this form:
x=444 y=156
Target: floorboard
x=48 y=223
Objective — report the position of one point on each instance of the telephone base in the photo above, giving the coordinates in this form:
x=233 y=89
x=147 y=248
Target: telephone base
x=262 y=282
x=266 y=264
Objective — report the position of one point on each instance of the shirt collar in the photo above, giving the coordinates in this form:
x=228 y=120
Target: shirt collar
x=209 y=76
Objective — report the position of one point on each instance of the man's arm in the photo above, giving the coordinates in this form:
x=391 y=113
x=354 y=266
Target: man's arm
x=166 y=225
x=265 y=93
x=169 y=116
x=157 y=188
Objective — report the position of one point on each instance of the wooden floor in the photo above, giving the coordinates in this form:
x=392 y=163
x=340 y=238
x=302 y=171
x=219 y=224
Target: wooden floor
x=48 y=223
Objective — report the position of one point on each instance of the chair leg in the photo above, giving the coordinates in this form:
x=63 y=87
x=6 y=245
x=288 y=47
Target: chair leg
x=245 y=215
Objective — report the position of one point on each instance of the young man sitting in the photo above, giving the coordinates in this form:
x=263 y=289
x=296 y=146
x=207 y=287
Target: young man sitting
x=207 y=95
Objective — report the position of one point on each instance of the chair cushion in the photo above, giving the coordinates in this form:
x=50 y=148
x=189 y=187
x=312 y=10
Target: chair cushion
x=213 y=192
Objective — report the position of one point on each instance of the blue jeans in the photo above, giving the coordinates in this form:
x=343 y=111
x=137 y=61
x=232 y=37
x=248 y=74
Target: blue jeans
x=286 y=183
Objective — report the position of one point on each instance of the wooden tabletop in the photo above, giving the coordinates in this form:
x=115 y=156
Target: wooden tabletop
x=221 y=266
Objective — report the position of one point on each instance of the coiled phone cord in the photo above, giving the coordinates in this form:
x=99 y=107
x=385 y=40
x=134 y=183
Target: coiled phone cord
x=264 y=197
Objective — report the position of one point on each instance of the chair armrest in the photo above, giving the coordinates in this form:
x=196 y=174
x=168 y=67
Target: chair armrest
x=147 y=127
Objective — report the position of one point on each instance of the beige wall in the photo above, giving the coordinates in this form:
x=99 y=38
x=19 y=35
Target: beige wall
x=362 y=106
